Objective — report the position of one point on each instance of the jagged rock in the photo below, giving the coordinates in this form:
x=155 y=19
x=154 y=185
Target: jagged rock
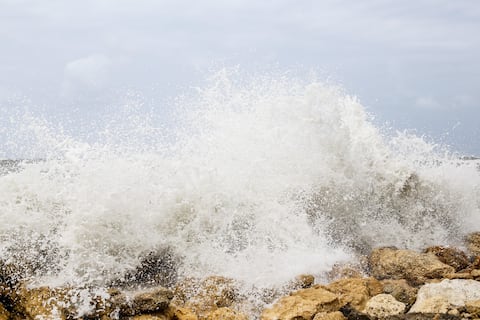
x=425 y=316
x=159 y=316
x=416 y=268
x=473 y=243
x=226 y=314
x=4 y=314
x=446 y=295
x=303 y=304
x=356 y=291
x=384 y=305
x=401 y=291
x=152 y=300
x=451 y=256
x=337 y=315
x=459 y=275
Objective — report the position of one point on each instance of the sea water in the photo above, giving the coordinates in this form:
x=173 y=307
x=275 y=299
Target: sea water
x=258 y=179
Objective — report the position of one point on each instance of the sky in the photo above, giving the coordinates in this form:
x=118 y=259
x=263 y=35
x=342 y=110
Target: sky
x=414 y=64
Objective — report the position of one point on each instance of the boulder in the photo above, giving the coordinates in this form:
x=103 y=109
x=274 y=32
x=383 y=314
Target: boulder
x=451 y=256
x=151 y=300
x=226 y=314
x=303 y=304
x=207 y=295
x=41 y=303
x=401 y=291
x=445 y=296
x=473 y=243
x=416 y=268
x=356 y=291
x=384 y=305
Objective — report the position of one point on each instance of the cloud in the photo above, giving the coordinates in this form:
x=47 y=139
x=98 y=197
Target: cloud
x=90 y=73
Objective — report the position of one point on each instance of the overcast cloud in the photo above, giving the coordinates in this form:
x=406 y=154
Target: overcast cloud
x=413 y=63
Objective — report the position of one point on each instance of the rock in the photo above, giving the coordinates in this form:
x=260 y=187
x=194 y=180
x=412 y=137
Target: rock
x=41 y=302
x=473 y=243
x=446 y=295
x=384 y=305
x=152 y=300
x=416 y=268
x=337 y=315
x=475 y=273
x=451 y=256
x=345 y=271
x=207 y=295
x=473 y=307
x=4 y=314
x=157 y=268
x=459 y=275
x=303 y=281
x=401 y=291
x=179 y=313
x=149 y=317
x=226 y=314
x=303 y=304
x=356 y=291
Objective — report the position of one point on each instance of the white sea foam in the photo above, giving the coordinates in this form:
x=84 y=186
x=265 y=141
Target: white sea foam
x=260 y=179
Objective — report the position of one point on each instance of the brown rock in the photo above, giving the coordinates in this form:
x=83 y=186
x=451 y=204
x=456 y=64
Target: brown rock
x=459 y=275
x=303 y=304
x=150 y=317
x=151 y=300
x=207 y=295
x=475 y=273
x=179 y=313
x=473 y=307
x=400 y=290
x=41 y=302
x=303 y=281
x=451 y=256
x=356 y=291
x=389 y=263
x=4 y=314
x=226 y=314
x=473 y=243
x=345 y=271
x=337 y=315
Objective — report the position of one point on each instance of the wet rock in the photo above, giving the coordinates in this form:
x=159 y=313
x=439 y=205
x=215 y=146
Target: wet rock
x=303 y=304
x=207 y=295
x=4 y=314
x=401 y=291
x=473 y=243
x=41 y=303
x=345 y=271
x=157 y=268
x=356 y=291
x=226 y=314
x=152 y=300
x=416 y=268
x=384 y=305
x=451 y=256
x=303 y=281
x=337 y=315
x=178 y=313
x=445 y=296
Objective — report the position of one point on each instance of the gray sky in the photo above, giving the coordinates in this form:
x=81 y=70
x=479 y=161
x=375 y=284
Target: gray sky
x=413 y=63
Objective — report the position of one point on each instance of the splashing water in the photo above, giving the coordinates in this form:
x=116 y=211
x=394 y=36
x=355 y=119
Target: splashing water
x=259 y=180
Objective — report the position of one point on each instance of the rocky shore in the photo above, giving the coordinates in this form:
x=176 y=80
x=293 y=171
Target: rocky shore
x=389 y=283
